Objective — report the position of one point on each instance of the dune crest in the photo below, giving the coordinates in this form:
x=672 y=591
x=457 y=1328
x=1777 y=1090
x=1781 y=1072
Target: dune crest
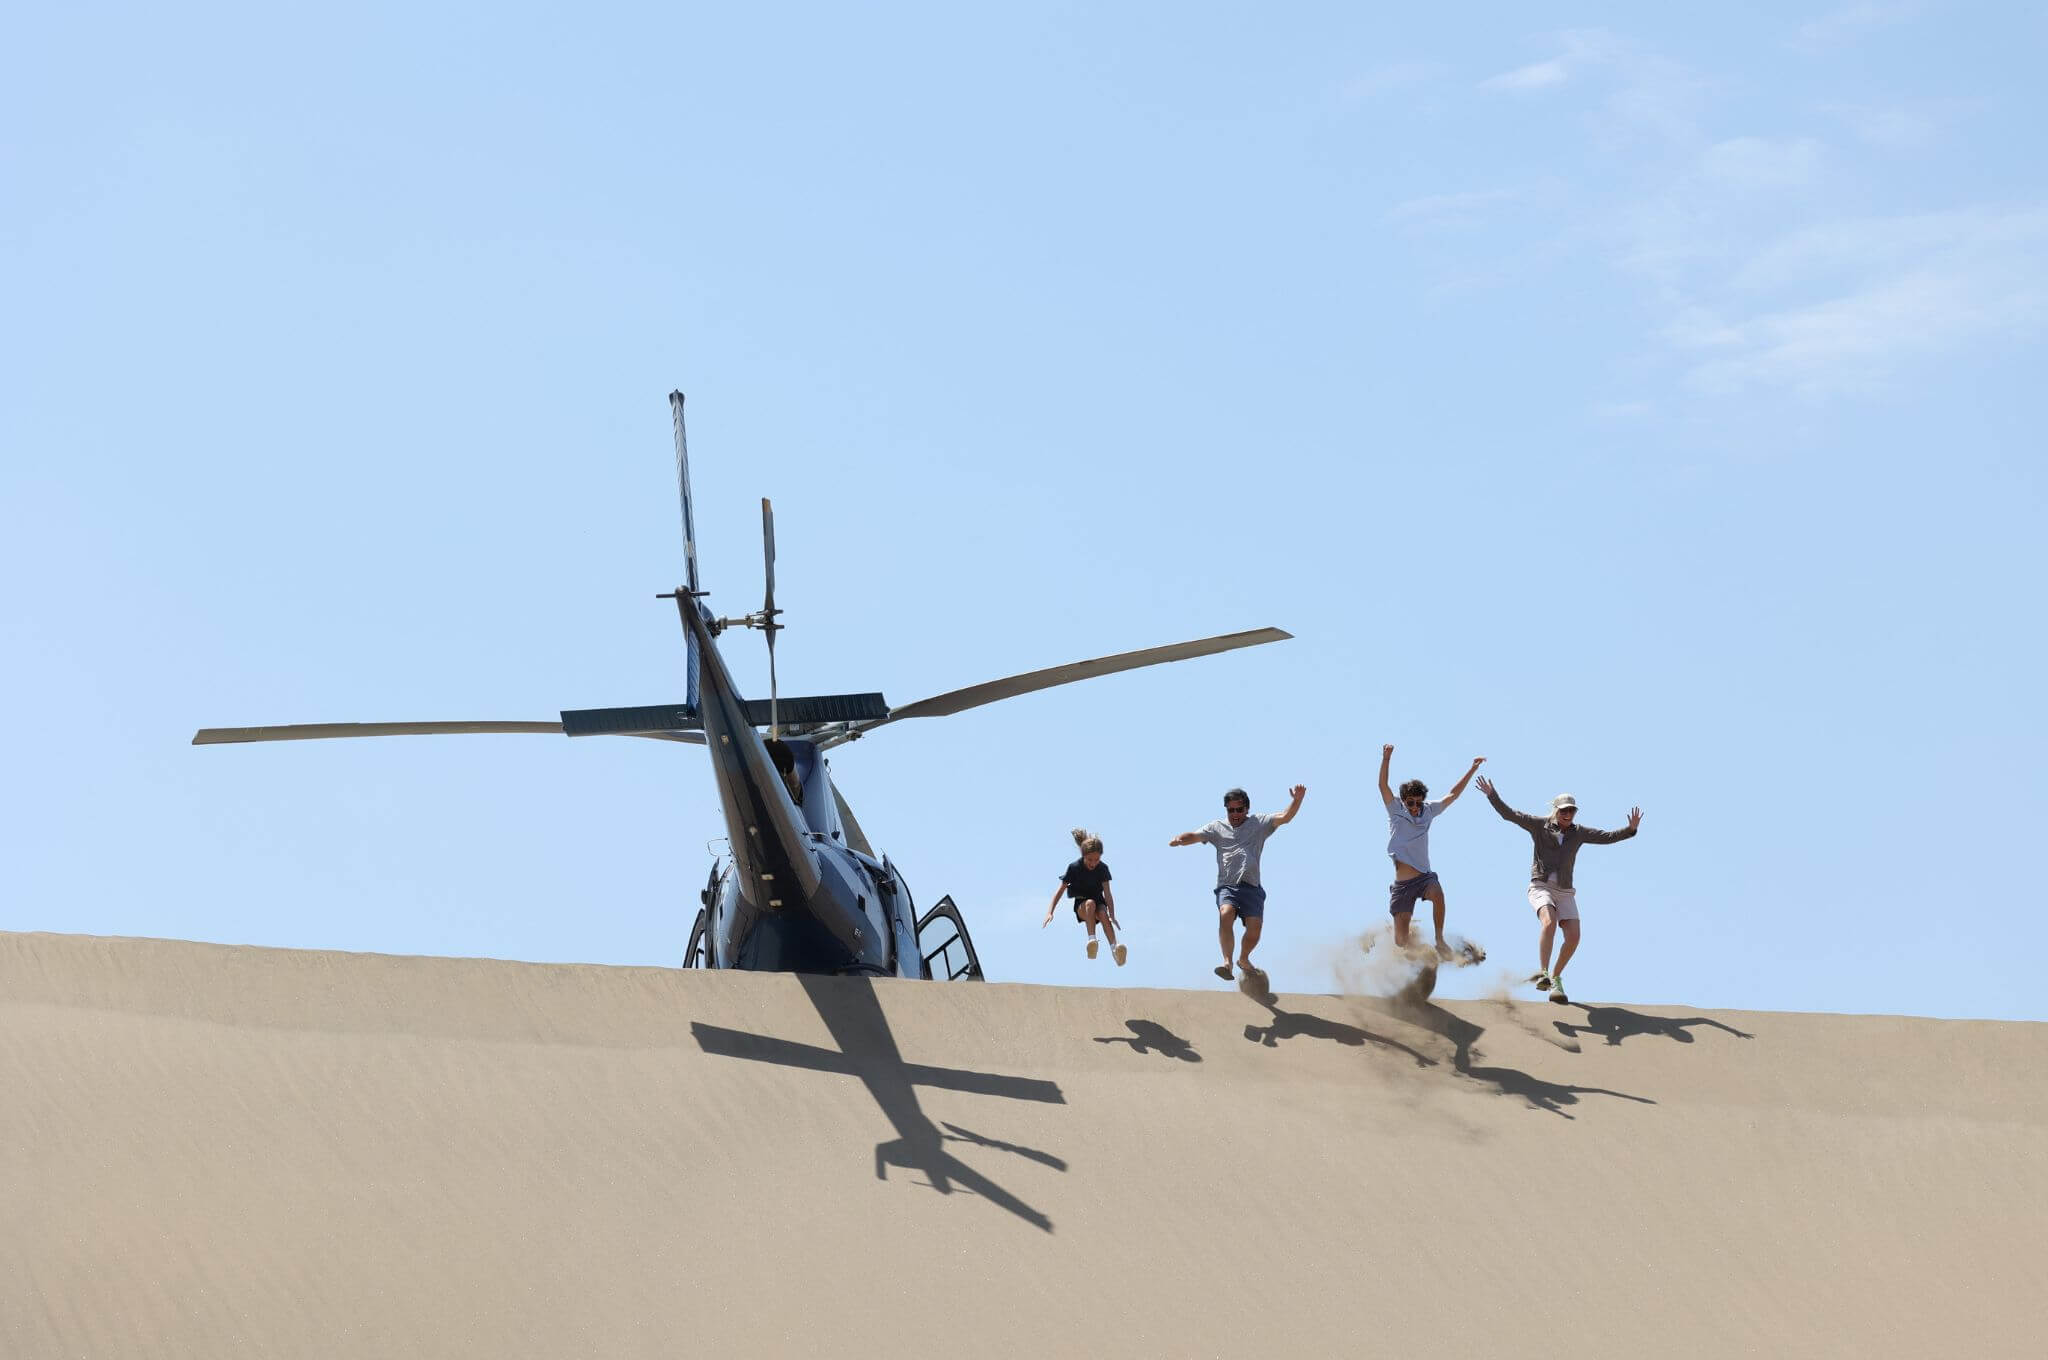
x=218 y=1151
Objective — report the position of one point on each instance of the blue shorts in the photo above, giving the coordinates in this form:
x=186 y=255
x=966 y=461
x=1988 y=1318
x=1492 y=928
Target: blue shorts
x=1248 y=898
x=1402 y=896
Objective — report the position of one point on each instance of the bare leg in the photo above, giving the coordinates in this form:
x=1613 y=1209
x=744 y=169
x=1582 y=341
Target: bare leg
x=1108 y=923
x=1571 y=944
x=1251 y=939
x=1548 y=916
x=1436 y=911
x=1226 y=918
x=1088 y=917
x=1401 y=930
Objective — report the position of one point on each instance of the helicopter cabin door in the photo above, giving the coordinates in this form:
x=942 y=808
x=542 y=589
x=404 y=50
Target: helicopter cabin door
x=947 y=947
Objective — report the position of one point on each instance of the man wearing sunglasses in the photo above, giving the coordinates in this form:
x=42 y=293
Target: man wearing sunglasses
x=1557 y=841
x=1408 y=819
x=1238 y=839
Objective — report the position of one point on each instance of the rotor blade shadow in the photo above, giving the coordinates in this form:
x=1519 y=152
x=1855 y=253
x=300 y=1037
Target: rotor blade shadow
x=732 y=1043
x=961 y=1135
x=867 y=1049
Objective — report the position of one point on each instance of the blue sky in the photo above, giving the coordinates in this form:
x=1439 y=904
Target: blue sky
x=1646 y=401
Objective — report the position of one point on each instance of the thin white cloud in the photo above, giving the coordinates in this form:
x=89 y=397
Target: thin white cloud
x=1583 y=48
x=1750 y=282
x=1890 y=291
x=1835 y=254
x=1648 y=97
x=1534 y=76
x=1852 y=342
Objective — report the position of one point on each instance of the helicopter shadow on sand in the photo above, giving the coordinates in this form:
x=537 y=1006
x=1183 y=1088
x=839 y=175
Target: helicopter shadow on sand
x=867 y=1049
x=1149 y=1036
x=1614 y=1023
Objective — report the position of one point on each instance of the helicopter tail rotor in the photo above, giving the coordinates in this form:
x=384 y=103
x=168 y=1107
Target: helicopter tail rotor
x=768 y=610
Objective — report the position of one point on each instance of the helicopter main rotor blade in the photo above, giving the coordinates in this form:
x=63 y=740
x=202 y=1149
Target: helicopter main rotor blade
x=675 y=406
x=216 y=736
x=974 y=696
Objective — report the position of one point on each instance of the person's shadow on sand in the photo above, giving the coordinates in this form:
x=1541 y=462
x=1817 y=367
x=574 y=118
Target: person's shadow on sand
x=1149 y=1036
x=1463 y=1034
x=1616 y=1024
x=1300 y=1025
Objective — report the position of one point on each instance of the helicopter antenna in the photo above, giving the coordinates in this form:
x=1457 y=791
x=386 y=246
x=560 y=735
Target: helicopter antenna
x=769 y=611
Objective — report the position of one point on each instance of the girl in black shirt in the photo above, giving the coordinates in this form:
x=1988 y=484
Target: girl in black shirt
x=1086 y=884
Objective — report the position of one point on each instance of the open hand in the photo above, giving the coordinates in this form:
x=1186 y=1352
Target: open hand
x=1635 y=818
x=1485 y=785
x=1300 y=791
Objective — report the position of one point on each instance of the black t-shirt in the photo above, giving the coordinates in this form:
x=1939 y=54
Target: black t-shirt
x=1085 y=884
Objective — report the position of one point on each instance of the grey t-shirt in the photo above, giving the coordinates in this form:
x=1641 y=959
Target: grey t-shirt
x=1237 y=847
x=1408 y=836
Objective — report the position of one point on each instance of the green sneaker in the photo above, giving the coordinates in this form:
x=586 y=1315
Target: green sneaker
x=1542 y=981
x=1557 y=992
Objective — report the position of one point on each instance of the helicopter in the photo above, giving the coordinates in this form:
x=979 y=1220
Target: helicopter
x=800 y=888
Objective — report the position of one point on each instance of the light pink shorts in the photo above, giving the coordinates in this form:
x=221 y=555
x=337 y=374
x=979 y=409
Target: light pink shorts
x=1566 y=900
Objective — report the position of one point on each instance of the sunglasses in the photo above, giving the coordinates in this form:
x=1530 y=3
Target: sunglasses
x=1237 y=807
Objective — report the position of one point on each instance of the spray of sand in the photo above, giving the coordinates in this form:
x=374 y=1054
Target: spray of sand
x=1371 y=964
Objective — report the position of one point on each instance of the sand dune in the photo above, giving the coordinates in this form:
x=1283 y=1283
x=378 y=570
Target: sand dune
x=213 y=1151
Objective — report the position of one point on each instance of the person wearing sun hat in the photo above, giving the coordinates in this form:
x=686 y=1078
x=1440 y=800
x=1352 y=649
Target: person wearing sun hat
x=1556 y=840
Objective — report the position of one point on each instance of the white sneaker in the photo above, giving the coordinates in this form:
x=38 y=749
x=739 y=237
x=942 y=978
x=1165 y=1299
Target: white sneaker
x=1117 y=952
x=1093 y=945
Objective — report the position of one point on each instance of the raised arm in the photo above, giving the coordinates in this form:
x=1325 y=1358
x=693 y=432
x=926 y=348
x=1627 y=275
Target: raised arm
x=1521 y=819
x=1386 y=759
x=1456 y=788
x=1595 y=836
x=1296 y=794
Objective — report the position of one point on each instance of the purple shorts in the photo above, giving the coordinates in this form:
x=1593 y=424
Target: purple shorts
x=1402 y=896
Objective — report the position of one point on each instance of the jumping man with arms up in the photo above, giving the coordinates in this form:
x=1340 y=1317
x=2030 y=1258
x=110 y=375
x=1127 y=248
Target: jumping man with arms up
x=1238 y=839
x=1408 y=820
x=1557 y=841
